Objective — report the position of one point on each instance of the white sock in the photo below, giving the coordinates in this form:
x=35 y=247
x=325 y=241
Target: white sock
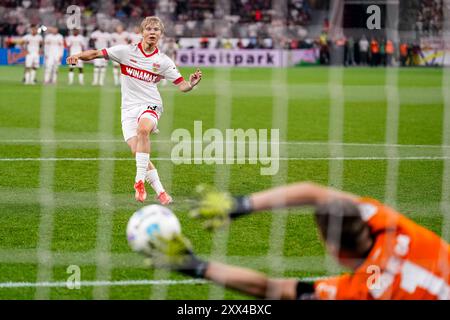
x=33 y=75
x=96 y=72
x=142 y=160
x=116 y=76
x=102 y=76
x=27 y=77
x=81 y=78
x=153 y=179
x=48 y=71
x=70 y=77
x=54 y=74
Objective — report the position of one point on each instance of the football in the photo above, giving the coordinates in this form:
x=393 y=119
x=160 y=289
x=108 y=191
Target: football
x=149 y=222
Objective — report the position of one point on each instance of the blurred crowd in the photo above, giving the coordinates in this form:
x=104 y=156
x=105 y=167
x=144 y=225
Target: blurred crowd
x=367 y=52
x=188 y=18
x=430 y=18
x=261 y=24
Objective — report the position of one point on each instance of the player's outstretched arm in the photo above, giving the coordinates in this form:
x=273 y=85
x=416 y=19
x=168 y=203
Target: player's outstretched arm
x=194 y=79
x=298 y=194
x=177 y=254
x=251 y=282
x=85 y=56
x=218 y=207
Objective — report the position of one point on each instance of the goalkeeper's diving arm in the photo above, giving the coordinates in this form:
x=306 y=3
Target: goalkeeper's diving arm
x=257 y=284
x=247 y=281
x=298 y=194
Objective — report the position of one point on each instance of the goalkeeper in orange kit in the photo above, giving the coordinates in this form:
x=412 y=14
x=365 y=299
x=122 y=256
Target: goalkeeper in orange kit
x=390 y=256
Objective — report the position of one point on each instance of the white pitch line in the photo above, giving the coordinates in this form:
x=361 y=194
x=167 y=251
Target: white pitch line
x=437 y=158
x=100 y=283
x=293 y=142
x=119 y=283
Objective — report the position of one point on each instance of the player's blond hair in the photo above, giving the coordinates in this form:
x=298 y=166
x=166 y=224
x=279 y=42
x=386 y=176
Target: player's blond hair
x=151 y=20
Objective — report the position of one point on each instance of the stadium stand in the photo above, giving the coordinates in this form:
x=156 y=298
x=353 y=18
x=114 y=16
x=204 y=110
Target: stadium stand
x=260 y=23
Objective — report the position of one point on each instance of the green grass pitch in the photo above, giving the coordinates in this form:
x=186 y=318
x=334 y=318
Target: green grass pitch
x=61 y=207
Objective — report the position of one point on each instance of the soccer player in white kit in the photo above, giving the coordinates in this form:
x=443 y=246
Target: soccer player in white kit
x=136 y=35
x=170 y=48
x=32 y=43
x=101 y=40
x=54 y=49
x=118 y=37
x=76 y=44
x=143 y=66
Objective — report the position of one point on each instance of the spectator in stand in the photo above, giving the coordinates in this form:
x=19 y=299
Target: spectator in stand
x=416 y=51
x=356 y=52
x=410 y=58
x=382 y=53
x=374 y=52
x=390 y=50
x=240 y=45
x=294 y=44
x=324 y=56
x=363 y=50
x=227 y=44
x=260 y=43
x=349 y=52
x=218 y=43
x=204 y=43
x=338 y=53
x=403 y=54
x=251 y=44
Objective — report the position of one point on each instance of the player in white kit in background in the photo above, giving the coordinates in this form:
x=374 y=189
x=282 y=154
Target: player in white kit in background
x=32 y=43
x=100 y=39
x=54 y=49
x=136 y=35
x=118 y=37
x=76 y=44
x=141 y=102
x=170 y=48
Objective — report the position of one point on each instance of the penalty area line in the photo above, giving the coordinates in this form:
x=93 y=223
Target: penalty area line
x=233 y=160
x=119 y=283
x=61 y=284
x=289 y=142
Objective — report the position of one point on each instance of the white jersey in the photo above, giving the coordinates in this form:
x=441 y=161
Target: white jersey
x=76 y=44
x=363 y=45
x=54 y=45
x=135 y=37
x=101 y=39
x=120 y=38
x=32 y=43
x=141 y=72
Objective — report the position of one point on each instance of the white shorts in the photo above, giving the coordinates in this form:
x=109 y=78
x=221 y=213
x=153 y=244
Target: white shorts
x=131 y=117
x=32 y=61
x=100 y=63
x=51 y=61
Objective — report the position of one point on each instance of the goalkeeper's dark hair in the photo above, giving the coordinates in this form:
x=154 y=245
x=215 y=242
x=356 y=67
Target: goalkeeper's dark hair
x=341 y=224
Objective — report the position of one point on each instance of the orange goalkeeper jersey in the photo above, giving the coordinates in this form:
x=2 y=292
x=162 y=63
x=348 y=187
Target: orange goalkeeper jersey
x=407 y=261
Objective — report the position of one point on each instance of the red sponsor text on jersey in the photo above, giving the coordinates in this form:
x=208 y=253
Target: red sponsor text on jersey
x=140 y=74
